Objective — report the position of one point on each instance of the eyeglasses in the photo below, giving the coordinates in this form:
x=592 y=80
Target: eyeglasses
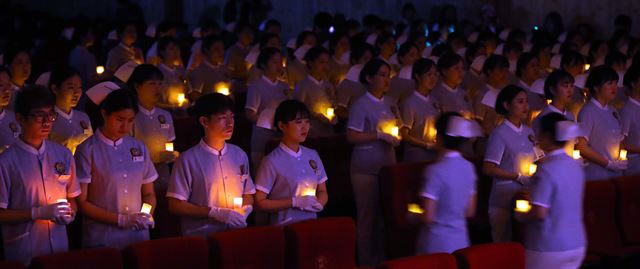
x=42 y=117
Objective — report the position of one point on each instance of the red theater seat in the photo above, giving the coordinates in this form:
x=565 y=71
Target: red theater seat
x=491 y=256
x=255 y=248
x=321 y=243
x=99 y=258
x=168 y=253
x=434 y=261
x=629 y=208
x=11 y=265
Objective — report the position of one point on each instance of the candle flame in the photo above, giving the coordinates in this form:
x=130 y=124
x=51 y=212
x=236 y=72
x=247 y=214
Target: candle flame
x=99 y=69
x=146 y=208
x=415 y=208
x=168 y=146
x=222 y=88
x=623 y=154
x=576 y=154
x=237 y=202
x=532 y=169
x=181 y=99
x=523 y=206
x=330 y=113
x=395 y=131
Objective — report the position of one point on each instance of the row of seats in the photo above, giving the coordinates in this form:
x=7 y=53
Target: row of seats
x=314 y=244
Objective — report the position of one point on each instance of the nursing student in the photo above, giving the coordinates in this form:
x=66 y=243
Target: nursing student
x=449 y=93
x=211 y=72
x=9 y=127
x=116 y=176
x=602 y=135
x=510 y=151
x=496 y=69
x=631 y=121
x=211 y=188
x=125 y=51
x=173 y=72
x=350 y=88
x=369 y=128
x=558 y=87
x=419 y=112
x=38 y=187
x=449 y=189
x=527 y=73
x=291 y=180
x=72 y=126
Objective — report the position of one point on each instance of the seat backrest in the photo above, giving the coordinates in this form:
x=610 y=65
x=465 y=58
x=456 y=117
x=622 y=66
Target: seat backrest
x=254 y=247
x=321 y=243
x=174 y=252
x=629 y=208
x=600 y=216
x=491 y=256
x=433 y=261
x=399 y=186
x=98 y=258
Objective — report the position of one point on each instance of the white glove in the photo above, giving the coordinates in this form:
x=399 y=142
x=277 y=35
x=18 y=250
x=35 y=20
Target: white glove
x=65 y=219
x=617 y=165
x=523 y=180
x=228 y=216
x=307 y=203
x=134 y=221
x=51 y=212
x=246 y=210
x=394 y=141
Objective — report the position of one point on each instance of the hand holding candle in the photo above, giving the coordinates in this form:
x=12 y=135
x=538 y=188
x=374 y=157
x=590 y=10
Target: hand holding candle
x=330 y=113
x=222 y=88
x=532 y=169
x=168 y=146
x=237 y=202
x=395 y=131
x=576 y=154
x=523 y=206
x=414 y=208
x=181 y=99
x=623 y=155
x=146 y=208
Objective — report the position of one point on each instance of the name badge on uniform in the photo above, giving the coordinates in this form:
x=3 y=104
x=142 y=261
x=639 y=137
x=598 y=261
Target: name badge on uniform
x=136 y=155
x=314 y=166
x=163 y=122
x=61 y=170
x=244 y=175
x=14 y=128
x=85 y=128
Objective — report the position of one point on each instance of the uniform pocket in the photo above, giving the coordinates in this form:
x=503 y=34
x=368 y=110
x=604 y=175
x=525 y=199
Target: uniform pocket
x=63 y=179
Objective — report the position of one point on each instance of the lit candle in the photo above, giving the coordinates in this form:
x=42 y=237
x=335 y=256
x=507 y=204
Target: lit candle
x=62 y=200
x=99 y=69
x=523 y=206
x=168 y=146
x=146 y=208
x=237 y=202
x=181 y=99
x=223 y=88
x=586 y=67
x=576 y=154
x=395 y=131
x=623 y=154
x=532 y=169
x=309 y=191
x=414 y=208
x=549 y=101
x=330 y=113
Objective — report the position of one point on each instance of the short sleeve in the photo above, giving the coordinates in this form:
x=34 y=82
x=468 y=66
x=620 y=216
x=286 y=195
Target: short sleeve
x=180 y=181
x=407 y=114
x=432 y=186
x=73 y=187
x=249 y=187
x=149 y=173
x=253 y=98
x=83 y=162
x=356 y=118
x=172 y=129
x=266 y=176
x=585 y=121
x=342 y=95
x=542 y=190
x=5 y=186
x=625 y=122
x=322 y=174
x=299 y=93
x=495 y=148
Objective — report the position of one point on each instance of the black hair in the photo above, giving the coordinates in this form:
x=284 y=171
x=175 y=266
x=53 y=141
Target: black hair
x=383 y=38
x=359 y=51
x=12 y=53
x=265 y=39
x=33 y=97
x=208 y=41
x=371 y=68
x=506 y=95
x=523 y=61
x=442 y=49
x=448 y=60
x=265 y=55
x=60 y=74
x=119 y=100
x=517 y=35
x=4 y=69
x=211 y=104
x=548 y=126
x=371 y=21
x=554 y=79
x=242 y=26
x=289 y=110
x=595 y=45
x=622 y=21
x=80 y=32
x=314 y=53
x=572 y=58
x=165 y=26
x=302 y=36
x=511 y=46
x=615 y=57
x=143 y=73
x=472 y=50
x=449 y=142
x=272 y=22
x=539 y=47
x=598 y=76
x=405 y=49
x=322 y=20
x=335 y=39
x=494 y=62
x=164 y=42
x=209 y=25
x=630 y=77
x=123 y=25
x=421 y=66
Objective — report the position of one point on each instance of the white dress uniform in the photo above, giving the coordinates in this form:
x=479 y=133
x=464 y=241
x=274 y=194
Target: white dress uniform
x=9 y=129
x=558 y=241
x=511 y=149
x=547 y=110
x=485 y=105
x=451 y=182
x=206 y=177
x=285 y=173
x=70 y=130
x=452 y=100
x=115 y=172
x=419 y=114
x=602 y=130
x=155 y=128
x=338 y=69
x=631 y=129
x=263 y=97
x=204 y=78
x=173 y=78
x=370 y=114
x=31 y=178
x=350 y=89
x=401 y=86
x=316 y=96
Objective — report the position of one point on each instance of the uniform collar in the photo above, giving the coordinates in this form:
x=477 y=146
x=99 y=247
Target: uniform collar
x=556 y=152
x=107 y=140
x=524 y=85
x=555 y=109
x=375 y=99
x=3 y=113
x=269 y=81
x=598 y=105
x=211 y=65
x=631 y=99
x=452 y=154
x=491 y=88
x=449 y=88
x=147 y=112
x=169 y=69
x=30 y=148
x=61 y=113
x=314 y=80
x=290 y=151
x=125 y=46
x=420 y=96
x=213 y=151
x=513 y=127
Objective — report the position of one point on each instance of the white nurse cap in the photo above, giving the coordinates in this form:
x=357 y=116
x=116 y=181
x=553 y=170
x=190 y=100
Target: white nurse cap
x=301 y=52
x=124 y=71
x=99 y=92
x=461 y=127
x=43 y=79
x=151 y=30
x=354 y=73
x=477 y=63
x=567 y=130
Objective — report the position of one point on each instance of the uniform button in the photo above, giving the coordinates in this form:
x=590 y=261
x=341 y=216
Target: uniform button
x=126 y=208
x=225 y=177
x=125 y=191
x=125 y=175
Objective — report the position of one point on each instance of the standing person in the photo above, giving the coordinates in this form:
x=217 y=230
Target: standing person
x=558 y=87
x=291 y=181
x=39 y=187
x=9 y=127
x=449 y=189
x=206 y=196
x=211 y=69
x=124 y=51
x=369 y=128
x=234 y=59
x=631 y=121
x=554 y=235
x=448 y=93
x=116 y=177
